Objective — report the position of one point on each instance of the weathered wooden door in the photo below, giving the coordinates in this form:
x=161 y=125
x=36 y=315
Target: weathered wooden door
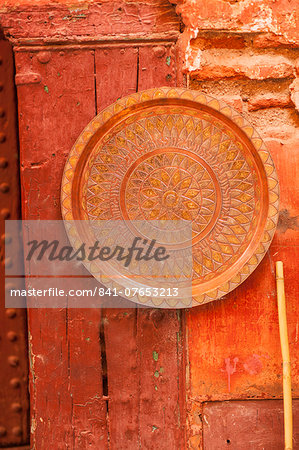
x=99 y=378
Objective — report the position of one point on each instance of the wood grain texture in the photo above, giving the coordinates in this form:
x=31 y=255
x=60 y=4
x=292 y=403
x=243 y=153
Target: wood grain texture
x=66 y=384
x=162 y=410
x=64 y=92
x=116 y=72
x=89 y=22
x=123 y=377
x=143 y=347
x=116 y=373
x=157 y=67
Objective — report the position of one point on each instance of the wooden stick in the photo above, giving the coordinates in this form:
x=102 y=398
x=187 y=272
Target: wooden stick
x=283 y=332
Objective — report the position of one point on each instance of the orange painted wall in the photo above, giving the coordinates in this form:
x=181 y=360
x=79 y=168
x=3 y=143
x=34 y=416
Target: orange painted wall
x=247 y=54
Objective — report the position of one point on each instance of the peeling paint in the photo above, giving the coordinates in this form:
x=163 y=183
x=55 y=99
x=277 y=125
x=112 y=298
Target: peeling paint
x=264 y=19
x=33 y=425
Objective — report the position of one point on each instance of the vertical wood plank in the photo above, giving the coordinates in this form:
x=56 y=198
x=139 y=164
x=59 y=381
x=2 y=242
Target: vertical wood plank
x=161 y=414
x=160 y=332
x=56 y=100
x=116 y=70
x=116 y=77
x=123 y=372
x=89 y=409
x=157 y=66
x=143 y=347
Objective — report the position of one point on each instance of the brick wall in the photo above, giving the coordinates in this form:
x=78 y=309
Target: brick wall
x=246 y=53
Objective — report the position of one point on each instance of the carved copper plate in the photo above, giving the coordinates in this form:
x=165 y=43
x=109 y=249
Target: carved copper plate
x=172 y=154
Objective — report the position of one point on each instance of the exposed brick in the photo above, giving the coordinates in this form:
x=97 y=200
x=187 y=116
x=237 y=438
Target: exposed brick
x=264 y=71
x=216 y=64
x=235 y=101
x=269 y=101
x=294 y=88
x=279 y=123
x=277 y=17
x=223 y=40
x=214 y=72
x=271 y=40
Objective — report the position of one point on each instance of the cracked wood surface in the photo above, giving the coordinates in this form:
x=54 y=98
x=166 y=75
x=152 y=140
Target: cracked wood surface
x=92 y=21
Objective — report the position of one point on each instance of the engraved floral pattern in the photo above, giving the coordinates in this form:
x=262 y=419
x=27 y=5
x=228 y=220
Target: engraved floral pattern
x=108 y=192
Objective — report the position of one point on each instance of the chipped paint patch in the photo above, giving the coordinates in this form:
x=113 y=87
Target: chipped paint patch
x=264 y=19
x=192 y=59
x=76 y=9
x=33 y=425
x=253 y=364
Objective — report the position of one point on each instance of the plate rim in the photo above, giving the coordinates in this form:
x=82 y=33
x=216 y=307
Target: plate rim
x=221 y=107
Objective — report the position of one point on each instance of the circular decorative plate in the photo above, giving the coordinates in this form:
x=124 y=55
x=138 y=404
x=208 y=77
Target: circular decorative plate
x=176 y=154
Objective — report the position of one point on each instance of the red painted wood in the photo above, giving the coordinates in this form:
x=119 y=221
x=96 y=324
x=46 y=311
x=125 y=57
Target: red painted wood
x=116 y=70
x=70 y=349
x=161 y=345
x=65 y=94
x=89 y=409
x=157 y=66
x=123 y=377
x=119 y=326
x=161 y=412
x=66 y=383
x=92 y=21
x=141 y=410
x=246 y=425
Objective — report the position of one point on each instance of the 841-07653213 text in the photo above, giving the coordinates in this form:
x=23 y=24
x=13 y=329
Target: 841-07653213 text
x=96 y=292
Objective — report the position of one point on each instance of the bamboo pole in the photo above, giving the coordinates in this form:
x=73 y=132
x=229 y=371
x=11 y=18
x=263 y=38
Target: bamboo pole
x=283 y=332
